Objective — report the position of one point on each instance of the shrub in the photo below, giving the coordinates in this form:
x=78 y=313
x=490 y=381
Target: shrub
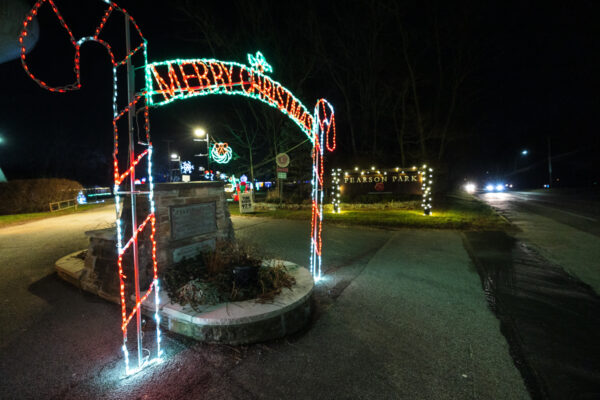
x=209 y=278
x=33 y=195
x=272 y=279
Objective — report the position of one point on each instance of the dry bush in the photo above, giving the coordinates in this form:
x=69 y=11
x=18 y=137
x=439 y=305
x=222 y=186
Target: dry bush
x=33 y=195
x=272 y=279
x=209 y=278
x=228 y=255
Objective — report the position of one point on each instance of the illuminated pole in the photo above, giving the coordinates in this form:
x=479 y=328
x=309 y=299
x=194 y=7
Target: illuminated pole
x=2 y=176
x=131 y=115
x=523 y=153
x=549 y=164
x=200 y=134
x=174 y=173
x=169 y=141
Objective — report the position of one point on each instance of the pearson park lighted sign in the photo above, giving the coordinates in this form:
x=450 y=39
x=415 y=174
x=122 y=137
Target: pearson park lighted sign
x=374 y=181
x=403 y=177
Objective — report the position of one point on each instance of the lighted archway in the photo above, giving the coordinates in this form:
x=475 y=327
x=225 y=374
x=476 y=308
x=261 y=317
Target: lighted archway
x=183 y=79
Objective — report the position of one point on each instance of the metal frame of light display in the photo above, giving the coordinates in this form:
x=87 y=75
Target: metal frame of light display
x=199 y=77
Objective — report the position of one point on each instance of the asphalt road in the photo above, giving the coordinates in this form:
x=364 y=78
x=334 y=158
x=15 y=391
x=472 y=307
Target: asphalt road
x=543 y=283
x=579 y=209
x=564 y=227
x=401 y=314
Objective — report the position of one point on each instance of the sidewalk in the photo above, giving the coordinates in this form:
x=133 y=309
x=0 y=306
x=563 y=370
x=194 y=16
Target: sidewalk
x=576 y=251
x=414 y=324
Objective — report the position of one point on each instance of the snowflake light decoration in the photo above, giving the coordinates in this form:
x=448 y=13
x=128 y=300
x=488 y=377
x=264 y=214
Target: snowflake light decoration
x=187 y=167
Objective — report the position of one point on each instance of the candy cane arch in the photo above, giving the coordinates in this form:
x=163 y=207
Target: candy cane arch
x=136 y=104
x=165 y=82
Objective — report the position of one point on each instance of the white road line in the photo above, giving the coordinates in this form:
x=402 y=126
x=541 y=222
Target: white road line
x=526 y=198
x=573 y=214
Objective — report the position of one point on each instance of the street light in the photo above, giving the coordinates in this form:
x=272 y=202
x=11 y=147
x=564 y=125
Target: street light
x=202 y=136
x=175 y=168
x=523 y=153
x=199 y=132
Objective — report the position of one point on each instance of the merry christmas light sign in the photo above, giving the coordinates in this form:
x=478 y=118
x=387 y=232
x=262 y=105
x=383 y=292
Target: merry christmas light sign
x=171 y=80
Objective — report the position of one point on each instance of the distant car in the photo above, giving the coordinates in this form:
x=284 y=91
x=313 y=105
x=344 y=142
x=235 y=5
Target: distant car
x=497 y=187
x=470 y=187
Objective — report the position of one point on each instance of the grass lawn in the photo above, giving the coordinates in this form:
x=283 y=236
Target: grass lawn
x=13 y=219
x=450 y=212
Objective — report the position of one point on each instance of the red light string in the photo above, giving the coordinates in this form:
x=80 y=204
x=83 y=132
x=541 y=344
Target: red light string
x=135 y=234
x=126 y=109
x=103 y=22
x=122 y=277
x=131 y=54
x=62 y=22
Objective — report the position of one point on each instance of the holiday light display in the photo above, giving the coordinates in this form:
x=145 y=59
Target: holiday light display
x=81 y=198
x=221 y=153
x=335 y=190
x=165 y=82
x=187 y=167
x=379 y=178
x=241 y=187
x=137 y=104
x=426 y=183
x=323 y=130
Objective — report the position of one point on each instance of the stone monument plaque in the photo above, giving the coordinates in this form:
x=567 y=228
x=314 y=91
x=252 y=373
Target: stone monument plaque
x=193 y=220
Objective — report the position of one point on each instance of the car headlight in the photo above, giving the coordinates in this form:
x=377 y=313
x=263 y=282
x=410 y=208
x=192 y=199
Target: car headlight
x=489 y=188
x=470 y=187
x=500 y=187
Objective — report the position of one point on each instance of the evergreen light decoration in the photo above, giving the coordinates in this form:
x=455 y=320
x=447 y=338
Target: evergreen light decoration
x=221 y=153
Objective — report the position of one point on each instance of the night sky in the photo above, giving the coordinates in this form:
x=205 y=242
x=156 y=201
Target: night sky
x=531 y=77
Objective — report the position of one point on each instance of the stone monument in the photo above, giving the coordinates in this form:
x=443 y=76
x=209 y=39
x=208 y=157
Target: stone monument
x=190 y=218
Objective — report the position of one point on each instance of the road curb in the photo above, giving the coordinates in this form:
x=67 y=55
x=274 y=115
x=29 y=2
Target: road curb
x=71 y=268
x=240 y=322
